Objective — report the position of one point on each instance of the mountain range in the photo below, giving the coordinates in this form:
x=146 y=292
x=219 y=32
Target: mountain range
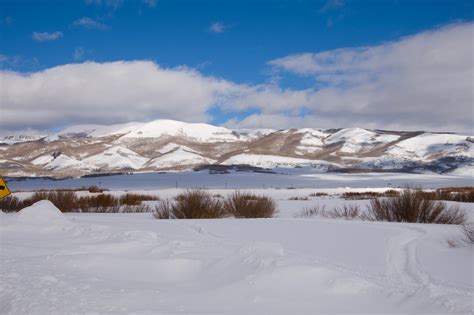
x=167 y=145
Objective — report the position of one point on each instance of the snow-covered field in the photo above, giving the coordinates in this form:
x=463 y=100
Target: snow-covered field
x=132 y=263
x=54 y=263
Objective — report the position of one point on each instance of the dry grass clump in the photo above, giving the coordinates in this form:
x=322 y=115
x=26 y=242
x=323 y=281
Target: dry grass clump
x=412 y=206
x=68 y=201
x=318 y=194
x=468 y=230
x=313 y=211
x=131 y=199
x=99 y=203
x=198 y=204
x=193 y=204
x=350 y=195
x=12 y=204
x=247 y=205
x=93 y=189
x=459 y=194
x=346 y=212
x=298 y=198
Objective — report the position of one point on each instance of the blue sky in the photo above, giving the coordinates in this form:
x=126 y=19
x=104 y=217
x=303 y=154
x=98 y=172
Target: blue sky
x=236 y=41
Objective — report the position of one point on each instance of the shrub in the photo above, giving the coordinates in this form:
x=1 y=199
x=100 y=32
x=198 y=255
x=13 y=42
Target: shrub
x=313 y=211
x=163 y=210
x=95 y=189
x=194 y=204
x=12 y=204
x=411 y=206
x=135 y=209
x=246 y=205
x=298 y=198
x=66 y=201
x=318 y=194
x=468 y=229
x=459 y=194
x=131 y=199
x=99 y=203
x=347 y=212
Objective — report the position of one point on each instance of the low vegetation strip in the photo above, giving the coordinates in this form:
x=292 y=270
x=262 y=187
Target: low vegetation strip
x=409 y=205
x=69 y=201
x=458 y=194
x=413 y=206
x=199 y=204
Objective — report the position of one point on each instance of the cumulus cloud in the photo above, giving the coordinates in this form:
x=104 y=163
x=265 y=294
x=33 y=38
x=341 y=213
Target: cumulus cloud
x=89 y=23
x=424 y=80
x=108 y=93
x=45 y=36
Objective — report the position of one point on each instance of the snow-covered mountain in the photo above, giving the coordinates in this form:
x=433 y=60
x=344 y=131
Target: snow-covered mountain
x=163 y=145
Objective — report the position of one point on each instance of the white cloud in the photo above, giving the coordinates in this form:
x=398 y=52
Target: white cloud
x=422 y=81
x=45 y=36
x=89 y=23
x=108 y=93
x=217 y=27
x=419 y=82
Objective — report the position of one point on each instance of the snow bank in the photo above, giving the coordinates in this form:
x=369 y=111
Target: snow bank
x=140 y=265
x=43 y=212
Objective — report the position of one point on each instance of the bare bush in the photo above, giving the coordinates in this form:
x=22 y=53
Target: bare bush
x=94 y=189
x=163 y=210
x=99 y=203
x=66 y=201
x=468 y=230
x=459 y=194
x=298 y=198
x=135 y=209
x=411 y=206
x=246 y=205
x=350 y=195
x=318 y=194
x=312 y=211
x=131 y=199
x=193 y=204
x=12 y=204
x=347 y=212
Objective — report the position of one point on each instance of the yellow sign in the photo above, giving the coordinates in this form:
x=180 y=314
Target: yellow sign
x=4 y=191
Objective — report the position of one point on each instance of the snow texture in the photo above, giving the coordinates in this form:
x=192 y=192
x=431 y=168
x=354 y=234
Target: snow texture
x=133 y=263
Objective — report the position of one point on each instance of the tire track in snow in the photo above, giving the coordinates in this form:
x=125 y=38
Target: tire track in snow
x=405 y=273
